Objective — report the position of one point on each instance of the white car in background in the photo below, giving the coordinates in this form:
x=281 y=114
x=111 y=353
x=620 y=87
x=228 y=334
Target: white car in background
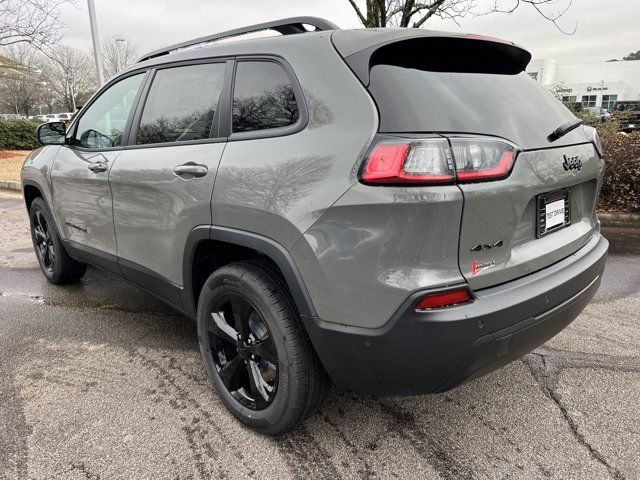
x=599 y=112
x=65 y=117
x=11 y=116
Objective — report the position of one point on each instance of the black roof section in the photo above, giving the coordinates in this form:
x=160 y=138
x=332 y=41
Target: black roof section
x=285 y=26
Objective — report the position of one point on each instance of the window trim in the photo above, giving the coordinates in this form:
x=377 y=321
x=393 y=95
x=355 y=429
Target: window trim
x=214 y=135
x=223 y=116
x=612 y=98
x=303 y=112
x=72 y=130
x=586 y=103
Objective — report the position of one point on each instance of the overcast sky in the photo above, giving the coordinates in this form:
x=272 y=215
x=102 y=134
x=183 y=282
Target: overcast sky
x=606 y=28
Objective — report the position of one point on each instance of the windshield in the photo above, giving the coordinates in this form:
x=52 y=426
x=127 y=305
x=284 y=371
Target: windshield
x=513 y=107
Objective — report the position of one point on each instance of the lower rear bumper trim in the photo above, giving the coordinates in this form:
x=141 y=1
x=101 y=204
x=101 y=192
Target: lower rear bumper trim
x=423 y=352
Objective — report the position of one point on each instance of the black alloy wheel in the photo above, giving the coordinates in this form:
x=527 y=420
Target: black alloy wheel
x=255 y=350
x=55 y=263
x=243 y=351
x=44 y=242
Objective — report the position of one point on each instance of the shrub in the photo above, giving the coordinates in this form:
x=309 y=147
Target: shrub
x=18 y=134
x=621 y=186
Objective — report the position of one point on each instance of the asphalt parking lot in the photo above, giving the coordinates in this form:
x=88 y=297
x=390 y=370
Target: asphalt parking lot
x=100 y=380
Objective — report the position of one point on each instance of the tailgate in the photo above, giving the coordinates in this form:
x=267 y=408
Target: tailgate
x=502 y=233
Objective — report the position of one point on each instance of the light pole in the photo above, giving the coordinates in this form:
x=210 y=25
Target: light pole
x=119 y=65
x=96 y=41
x=72 y=92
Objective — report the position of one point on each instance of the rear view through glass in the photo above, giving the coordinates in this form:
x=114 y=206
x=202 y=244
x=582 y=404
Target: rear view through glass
x=465 y=94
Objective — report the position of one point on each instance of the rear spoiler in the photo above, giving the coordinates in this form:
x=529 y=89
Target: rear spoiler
x=425 y=50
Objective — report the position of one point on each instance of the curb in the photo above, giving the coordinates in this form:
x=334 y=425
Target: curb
x=10 y=185
x=624 y=220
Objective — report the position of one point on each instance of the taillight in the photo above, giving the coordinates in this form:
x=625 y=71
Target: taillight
x=439 y=161
x=480 y=160
x=446 y=299
x=592 y=135
x=420 y=161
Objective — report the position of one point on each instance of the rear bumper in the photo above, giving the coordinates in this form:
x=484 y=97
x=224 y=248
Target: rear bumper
x=423 y=352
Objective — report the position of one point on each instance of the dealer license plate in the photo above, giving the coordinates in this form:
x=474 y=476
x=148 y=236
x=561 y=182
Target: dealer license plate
x=553 y=212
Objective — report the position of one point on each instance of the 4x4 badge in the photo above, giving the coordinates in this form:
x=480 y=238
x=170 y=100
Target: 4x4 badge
x=486 y=246
x=572 y=163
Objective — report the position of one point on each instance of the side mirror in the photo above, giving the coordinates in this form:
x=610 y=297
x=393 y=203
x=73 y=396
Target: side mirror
x=53 y=133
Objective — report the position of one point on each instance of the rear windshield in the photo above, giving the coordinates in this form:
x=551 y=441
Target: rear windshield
x=511 y=106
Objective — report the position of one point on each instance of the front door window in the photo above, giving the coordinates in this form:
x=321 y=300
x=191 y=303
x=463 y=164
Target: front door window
x=102 y=124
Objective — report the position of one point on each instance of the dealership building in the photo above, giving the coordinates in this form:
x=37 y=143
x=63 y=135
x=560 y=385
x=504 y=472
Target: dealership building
x=593 y=84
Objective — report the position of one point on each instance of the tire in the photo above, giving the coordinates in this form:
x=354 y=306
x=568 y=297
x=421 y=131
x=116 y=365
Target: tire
x=299 y=384
x=56 y=264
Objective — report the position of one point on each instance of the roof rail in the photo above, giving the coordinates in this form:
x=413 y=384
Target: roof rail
x=286 y=26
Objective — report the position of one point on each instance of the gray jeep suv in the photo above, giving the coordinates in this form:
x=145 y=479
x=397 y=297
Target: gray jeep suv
x=394 y=210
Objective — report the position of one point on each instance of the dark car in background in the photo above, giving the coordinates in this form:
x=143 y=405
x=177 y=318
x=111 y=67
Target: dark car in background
x=629 y=111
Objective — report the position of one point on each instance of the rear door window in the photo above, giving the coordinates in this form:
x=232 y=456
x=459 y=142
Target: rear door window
x=181 y=104
x=263 y=97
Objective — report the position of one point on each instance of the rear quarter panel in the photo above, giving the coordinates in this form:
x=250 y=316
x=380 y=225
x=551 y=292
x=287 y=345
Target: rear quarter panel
x=378 y=245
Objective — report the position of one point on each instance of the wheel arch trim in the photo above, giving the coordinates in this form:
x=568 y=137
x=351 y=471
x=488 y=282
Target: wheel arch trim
x=34 y=184
x=264 y=245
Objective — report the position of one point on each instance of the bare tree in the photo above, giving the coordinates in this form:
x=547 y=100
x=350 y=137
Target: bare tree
x=36 y=22
x=118 y=53
x=632 y=56
x=70 y=77
x=21 y=87
x=559 y=90
x=405 y=13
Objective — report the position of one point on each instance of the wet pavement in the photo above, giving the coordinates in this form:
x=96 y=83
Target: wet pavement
x=100 y=380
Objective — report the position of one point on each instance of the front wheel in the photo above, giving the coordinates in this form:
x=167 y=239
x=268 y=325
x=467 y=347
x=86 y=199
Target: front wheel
x=255 y=351
x=55 y=262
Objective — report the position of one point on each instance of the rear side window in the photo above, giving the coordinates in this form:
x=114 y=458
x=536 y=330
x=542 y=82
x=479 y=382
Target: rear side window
x=181 y=104
x=263 y=97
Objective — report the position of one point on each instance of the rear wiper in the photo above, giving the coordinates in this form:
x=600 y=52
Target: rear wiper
x=563 y=129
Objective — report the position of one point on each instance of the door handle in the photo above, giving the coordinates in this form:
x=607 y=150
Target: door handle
x=191 y=170
x=98 y=167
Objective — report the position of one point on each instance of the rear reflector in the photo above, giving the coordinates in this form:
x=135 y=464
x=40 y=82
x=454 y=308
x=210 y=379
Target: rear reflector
x=444 y=299
x=436 y=161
